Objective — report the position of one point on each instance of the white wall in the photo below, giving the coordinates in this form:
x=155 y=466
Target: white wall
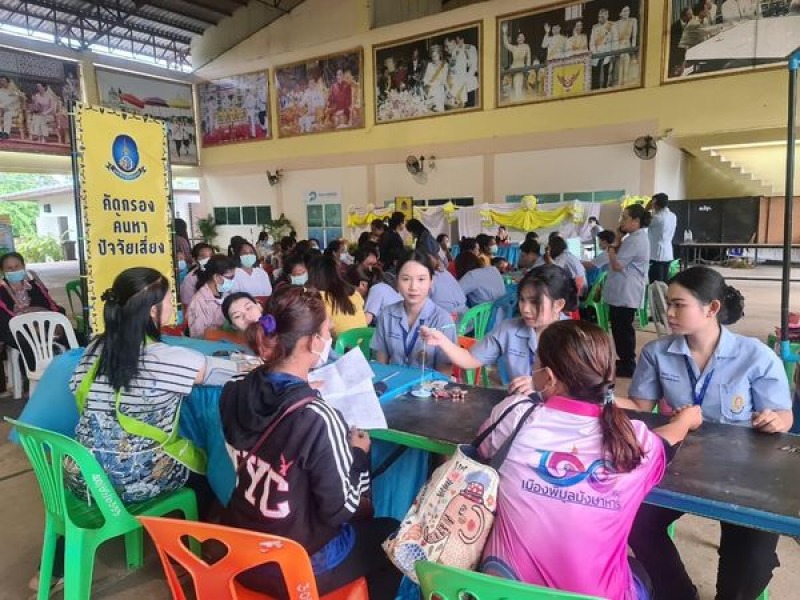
x=670 y=175
x=486 y=178
x=586 y=169
x=451 y=178
x=234 y=190
x=351 y=182
x=61 y=205
x=287 y=197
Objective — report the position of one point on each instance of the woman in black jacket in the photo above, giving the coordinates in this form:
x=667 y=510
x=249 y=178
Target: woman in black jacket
x=306 y=479
x=391 y=244
x=21 y=292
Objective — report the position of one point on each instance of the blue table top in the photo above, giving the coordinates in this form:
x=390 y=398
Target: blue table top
x=52 y=405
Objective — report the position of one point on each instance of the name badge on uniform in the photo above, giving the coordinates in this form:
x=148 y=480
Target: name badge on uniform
x=737 y=404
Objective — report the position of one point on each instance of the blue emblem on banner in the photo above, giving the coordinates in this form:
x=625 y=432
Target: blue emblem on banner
x=126 y=158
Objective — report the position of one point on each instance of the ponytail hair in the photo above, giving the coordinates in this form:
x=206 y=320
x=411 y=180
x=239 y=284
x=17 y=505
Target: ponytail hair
x=128 y=323
x=579 y=355
x=293 y=312
x=619 y=438
x=641 y=214
x=708 y=285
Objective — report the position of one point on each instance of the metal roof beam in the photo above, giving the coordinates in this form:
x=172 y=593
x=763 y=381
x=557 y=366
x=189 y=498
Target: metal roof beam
x=105 y=24
x=176 y=9
x=214 y=6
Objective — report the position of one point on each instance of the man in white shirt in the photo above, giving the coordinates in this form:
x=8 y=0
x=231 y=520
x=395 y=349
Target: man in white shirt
x=661 y=232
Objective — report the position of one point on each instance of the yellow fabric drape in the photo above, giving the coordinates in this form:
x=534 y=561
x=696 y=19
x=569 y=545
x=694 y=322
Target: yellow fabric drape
x=526 y=219
x=358 y=220
x=630 y=200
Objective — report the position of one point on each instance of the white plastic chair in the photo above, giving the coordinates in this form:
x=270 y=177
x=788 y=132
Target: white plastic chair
x=657 y=292
x=38 y=330
x=13 y=372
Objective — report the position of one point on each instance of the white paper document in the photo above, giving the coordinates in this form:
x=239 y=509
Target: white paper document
x=347 y=386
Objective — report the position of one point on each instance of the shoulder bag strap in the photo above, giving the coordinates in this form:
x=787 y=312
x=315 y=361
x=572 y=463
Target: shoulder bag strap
x=294 y=407
x=181 y=449
x=499 y=457
x=534 y=398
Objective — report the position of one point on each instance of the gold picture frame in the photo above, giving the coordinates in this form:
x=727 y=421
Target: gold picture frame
x=312 y=94
x=570 y=50
x=434 y=74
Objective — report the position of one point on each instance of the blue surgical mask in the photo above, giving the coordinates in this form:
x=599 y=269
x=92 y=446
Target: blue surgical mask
x=226 y=286
x=181 y=265
x=299 y=279
x=248 y=260
x=493 y=250
x=15 y=276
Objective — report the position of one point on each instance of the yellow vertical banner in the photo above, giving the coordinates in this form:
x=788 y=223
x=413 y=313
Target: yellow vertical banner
x=122 y=164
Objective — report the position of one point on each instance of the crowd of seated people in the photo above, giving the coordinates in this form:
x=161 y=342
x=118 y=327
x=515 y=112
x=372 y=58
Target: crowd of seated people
x=289 y=316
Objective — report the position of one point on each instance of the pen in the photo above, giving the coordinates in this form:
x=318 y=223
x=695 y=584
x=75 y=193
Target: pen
x=388 y=377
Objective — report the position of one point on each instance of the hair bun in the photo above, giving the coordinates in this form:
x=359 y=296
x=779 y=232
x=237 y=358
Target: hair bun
x=733 y=305
x=109 y=296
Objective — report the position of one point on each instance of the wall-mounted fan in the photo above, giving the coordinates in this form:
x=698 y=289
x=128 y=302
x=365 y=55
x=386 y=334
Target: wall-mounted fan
x=645 y=147
x=414 y=165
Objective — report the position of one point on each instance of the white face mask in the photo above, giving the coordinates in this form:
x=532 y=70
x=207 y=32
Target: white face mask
x=203 y=262
x=324 y=353
x=299 y=279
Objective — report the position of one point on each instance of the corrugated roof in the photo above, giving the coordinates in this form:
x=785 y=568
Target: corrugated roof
x=160 y=29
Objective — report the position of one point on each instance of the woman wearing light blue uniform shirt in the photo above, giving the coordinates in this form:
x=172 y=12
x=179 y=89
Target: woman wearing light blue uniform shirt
x=628 y=263
x=479 y=284
x=543 y=294
x=397 y=339
x=736 y=380
x=561 y=256
x=446 y=293
x=377 y=294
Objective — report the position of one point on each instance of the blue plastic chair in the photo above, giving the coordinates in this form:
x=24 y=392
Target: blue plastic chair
x=502 y=308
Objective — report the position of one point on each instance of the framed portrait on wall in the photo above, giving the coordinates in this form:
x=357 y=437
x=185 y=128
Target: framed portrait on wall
x=234 y=109
x=36 y=93
x=433 y=74
x=725 y=36
x=170 y=101
x=405 y=205
x=321 y=94
x=575 y=49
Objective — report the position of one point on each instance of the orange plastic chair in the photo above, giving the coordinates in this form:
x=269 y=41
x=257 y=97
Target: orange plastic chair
x=469 y=376
x=245 y=550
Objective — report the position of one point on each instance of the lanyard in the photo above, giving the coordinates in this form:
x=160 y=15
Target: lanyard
x=409 y=348
x=698 y=398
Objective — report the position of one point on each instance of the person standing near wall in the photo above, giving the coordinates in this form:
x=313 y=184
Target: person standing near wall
x=661 y=232
x=628 y=260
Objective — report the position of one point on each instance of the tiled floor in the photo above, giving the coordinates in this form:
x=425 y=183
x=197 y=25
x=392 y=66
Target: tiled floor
x=21 y=510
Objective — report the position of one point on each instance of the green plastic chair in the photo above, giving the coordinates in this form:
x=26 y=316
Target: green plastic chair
x=475 y=321
x=642 y=313
x=74 y=288
x=595 y=301
x=671 y=533
x=84 y=524
x=448 y=583
x=360 y=336
x=674 y=268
